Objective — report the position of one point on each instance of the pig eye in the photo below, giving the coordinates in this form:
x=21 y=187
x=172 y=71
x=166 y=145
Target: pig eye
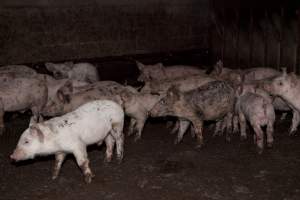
x=163 y=101
x=280 y=83
x=26 y=142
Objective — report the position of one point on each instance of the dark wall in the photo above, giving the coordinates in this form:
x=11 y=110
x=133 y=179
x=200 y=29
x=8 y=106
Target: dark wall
x=256 y=33
x=52 y=30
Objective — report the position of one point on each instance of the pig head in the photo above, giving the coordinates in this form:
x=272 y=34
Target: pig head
x=29 y=145
x=165 y=105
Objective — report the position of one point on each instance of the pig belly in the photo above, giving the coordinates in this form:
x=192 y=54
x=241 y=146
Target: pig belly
x=95 y=132
x=14 y=103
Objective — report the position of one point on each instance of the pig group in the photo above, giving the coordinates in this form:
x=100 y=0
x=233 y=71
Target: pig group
x=84 y=110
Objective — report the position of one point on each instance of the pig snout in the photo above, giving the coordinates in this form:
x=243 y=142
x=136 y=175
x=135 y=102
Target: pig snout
x=17 y=155
x=264 y=85
x=154 y=112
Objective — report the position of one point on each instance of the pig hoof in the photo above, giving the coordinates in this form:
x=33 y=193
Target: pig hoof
x=292 y=133
x=107 y=160
x=130 y=132
x=199 y=146
x=177 y=141
x=54 y=177
x=259 y=150
x=243 y=137
x=228 y=139
x=137 y=138
x=270 y=145
x=88 y=177
x=215 y=134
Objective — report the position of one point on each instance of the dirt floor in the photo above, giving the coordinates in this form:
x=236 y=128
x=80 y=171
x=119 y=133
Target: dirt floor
x=155 y=168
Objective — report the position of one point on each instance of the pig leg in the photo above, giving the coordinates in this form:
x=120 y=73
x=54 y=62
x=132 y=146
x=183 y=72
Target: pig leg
x=235 y=124
x=110 y=143
x=228 y=120
x=59 y=159
x=192 y=132
x=176 y=127
x=270 y=130
x=217 y=129
x=283 y=116
x=36 y=114
x=243 y=125
x=119 y=137
x=295 y=122
x=83 y=162
x=140 y=126
x=132 y=125
x=223 y=126
x=259 y=138
x=183 y=126
x=198 y=126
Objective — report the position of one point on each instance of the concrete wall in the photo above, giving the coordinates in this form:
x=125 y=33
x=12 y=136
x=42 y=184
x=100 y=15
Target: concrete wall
x=52 y=30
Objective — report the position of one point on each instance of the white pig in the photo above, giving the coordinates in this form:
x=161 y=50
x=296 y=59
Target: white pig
x=286 y=86
x=259 y=112
x=158 y=71
x=79 y=71
x=91 y=123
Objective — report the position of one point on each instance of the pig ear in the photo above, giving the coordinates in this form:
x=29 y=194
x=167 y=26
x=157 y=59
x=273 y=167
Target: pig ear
x=63 y=94
x=126 y=96
x=140 y=65
x=63 y=98
x=284 y=73
x=219 y=67
x=294 y=79
x=36 y=131
x=50 y=66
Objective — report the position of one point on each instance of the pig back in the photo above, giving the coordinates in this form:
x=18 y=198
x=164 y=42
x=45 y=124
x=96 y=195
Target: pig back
x=212 y=100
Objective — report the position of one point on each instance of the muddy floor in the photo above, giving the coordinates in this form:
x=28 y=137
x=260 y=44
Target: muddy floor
x=155 y=168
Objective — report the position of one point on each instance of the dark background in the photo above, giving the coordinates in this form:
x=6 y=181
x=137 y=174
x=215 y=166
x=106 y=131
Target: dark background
x=242 y=33
x=55 y=30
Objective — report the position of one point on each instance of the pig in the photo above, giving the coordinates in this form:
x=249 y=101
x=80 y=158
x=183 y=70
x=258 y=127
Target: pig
x=238 y=75
x=89 y=124
x=79 y=71
x=20 y=70
x=158 y=71
x=226 y=74
x=138 y=106
x=211 y=101
x=65 y=85
x=20 y=94
x=69 y=97
x=259 y=112
x=70 y=101
x=287 y=87
x=183 y=84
